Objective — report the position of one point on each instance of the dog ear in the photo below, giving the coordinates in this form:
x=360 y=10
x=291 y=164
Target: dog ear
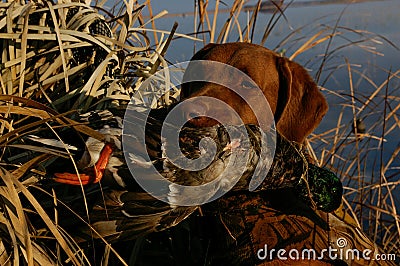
x=305 y=106
x=285 y=83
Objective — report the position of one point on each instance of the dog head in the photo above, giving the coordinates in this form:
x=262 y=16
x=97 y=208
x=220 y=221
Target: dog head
x=294 y=99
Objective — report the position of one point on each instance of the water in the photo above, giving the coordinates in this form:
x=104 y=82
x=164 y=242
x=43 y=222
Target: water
x=381 y=17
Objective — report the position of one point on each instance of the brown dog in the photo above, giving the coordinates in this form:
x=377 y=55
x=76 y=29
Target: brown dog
x=297 y=107
x=295 y=101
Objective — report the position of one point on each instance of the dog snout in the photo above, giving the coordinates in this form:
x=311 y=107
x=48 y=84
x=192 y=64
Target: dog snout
x=198 y=114
x=195 y=110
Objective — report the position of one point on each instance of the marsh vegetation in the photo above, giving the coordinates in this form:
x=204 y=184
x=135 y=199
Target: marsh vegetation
x=49 y=75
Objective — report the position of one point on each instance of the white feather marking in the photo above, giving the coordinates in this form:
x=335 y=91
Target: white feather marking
x=52 y=142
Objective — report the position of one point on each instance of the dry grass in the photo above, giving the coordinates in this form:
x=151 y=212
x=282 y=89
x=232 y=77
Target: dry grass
x=367 y=161
x=49 y=73
x=42 y=91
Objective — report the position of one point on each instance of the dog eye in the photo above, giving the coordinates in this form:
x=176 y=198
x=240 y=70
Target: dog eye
x=247 y=84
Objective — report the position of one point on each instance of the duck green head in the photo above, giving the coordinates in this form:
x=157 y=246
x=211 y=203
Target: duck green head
x=325 y=187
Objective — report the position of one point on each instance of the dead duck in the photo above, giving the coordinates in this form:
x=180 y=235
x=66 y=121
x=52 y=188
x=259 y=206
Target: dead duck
x=126 y=211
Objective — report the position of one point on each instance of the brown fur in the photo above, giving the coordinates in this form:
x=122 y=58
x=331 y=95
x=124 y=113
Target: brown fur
x=295 y=100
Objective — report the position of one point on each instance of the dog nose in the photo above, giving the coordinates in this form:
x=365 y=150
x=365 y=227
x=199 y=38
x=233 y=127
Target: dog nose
x=195 y=110
x=192 y=115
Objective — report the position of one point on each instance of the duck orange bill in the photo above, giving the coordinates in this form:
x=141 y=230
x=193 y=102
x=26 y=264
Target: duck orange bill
x=90 y=178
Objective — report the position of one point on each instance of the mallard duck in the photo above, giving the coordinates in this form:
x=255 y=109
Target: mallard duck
x=125 y=211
